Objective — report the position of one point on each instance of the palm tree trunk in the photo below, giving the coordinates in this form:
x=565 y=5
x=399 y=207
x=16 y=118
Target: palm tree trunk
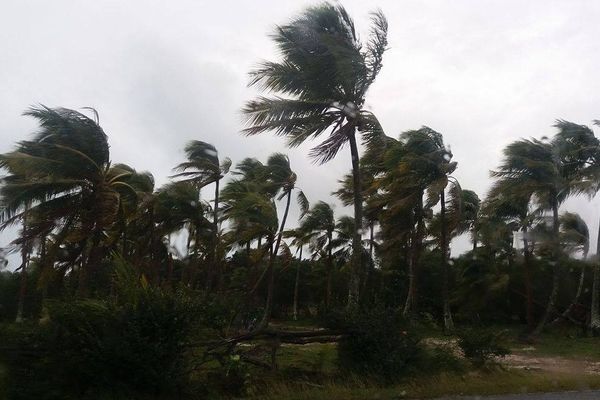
x=528 y=283
x=329 y=272
x=215 y=262
x=410 y=306
x=555 y=271
x=367 y=286
x=356 y=267
x=91 y=260
x=23 y=283
x=448 y=323
x=271 y=273
x=296 y=286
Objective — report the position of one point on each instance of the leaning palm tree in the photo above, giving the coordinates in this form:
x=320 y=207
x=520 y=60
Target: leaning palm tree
x=203 y=168
x=283 y=179
x=64 y=176
x=321 y=84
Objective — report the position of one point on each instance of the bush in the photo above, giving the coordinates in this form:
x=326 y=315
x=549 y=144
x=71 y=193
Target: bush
x=379 y=344
x=93 y=348
x=481 y=346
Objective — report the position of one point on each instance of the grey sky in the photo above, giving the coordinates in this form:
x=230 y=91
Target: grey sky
x=163 y=72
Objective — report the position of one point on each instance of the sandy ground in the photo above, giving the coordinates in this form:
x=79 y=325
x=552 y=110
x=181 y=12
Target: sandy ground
x=551 y=364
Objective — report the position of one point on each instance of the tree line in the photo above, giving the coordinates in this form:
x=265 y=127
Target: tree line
x=78 y=211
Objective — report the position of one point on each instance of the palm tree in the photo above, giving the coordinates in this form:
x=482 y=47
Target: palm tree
x=283 y=179
x=575 y=237
x=581 y=151
x=321 y=82
x=416 y=164
x=535 y=168
x=371 y=206
x=176 y=208
x=513 y=209
x=64 y=176
x=299 y=240
x=319 y=225
x=250 y=205
x=204 y=168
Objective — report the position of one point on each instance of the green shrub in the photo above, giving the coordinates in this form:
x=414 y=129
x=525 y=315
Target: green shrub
x=379 y=344
x=482 y=346
x=102 y=349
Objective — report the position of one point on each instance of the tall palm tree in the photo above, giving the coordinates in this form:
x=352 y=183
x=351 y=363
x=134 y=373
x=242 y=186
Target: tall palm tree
x=204 y=168
x=321 y=85
x=535 y=168
x=415 y=165
x=252 y=213
x=65 y=176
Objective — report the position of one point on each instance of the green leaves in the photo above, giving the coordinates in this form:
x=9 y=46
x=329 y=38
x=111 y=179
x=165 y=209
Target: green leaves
x=202 y=167
x=321 y=82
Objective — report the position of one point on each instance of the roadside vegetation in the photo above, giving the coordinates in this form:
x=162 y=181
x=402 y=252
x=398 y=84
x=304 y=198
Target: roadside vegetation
x=106 y=305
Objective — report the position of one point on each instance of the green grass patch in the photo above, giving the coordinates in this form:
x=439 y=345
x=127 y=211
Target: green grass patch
x=560 y=346
x=480 y=383
x=312 y=358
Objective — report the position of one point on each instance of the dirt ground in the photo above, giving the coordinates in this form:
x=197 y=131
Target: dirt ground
x=551 y=364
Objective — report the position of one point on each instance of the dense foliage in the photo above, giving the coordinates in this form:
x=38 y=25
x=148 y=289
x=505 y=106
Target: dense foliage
x=107 y=302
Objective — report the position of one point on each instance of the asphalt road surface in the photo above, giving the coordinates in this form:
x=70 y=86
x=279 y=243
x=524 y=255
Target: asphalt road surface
x=587 y=395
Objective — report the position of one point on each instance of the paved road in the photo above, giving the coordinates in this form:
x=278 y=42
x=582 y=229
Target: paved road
x=587 y=395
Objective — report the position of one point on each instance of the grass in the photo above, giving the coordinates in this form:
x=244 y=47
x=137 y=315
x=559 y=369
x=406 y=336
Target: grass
x=565 y=342
x=316 y=358
x=577 y=348
x=475 y=383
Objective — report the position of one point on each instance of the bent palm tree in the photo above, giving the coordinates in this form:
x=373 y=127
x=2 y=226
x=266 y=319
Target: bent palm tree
x=324 y=75
x=203 y=168
x=64 y=176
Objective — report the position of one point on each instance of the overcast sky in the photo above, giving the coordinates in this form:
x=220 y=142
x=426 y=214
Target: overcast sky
x=160 y=73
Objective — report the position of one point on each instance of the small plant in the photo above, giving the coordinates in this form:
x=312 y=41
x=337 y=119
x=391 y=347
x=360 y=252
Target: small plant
x=482 y=346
